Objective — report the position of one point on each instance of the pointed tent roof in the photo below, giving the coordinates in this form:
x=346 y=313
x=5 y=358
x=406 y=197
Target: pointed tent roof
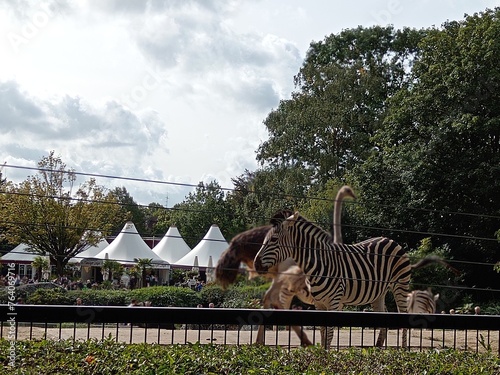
x=20 y=254
x=126 y=247
x=172 y=246
x=91 y=252
x=213 y=244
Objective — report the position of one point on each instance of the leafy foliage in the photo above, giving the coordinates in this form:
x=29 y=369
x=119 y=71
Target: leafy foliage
x=202 y=208
x=164 y=296
x=343 y=85
x=44 y=212
x=110 y=357
x=434 y=167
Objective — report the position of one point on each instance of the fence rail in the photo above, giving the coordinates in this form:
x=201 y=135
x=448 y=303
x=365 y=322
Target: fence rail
x=168 y=325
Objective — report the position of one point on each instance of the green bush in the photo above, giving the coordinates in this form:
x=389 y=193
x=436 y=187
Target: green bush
x=212 y=293
x=164 y=296
x=100 y=297
x=244 y=297
x=24 y=291
x=109 y=357
x=49 y=297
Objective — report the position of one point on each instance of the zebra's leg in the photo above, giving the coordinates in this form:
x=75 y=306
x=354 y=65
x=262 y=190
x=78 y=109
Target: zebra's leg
x=379 y=306
x=400 y=297
x=327 y=332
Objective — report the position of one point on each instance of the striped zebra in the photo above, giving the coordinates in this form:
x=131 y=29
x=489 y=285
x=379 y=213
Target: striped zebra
x=421 y=302
x=340 y=275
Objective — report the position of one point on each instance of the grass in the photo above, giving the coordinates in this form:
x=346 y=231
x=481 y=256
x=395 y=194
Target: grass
x=108 y=357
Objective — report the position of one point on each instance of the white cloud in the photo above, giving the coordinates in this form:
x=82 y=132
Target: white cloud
x=167 y=90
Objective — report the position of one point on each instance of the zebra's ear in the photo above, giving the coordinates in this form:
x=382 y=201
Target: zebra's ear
x=436 y=297
x=291 y=220
x=280 y=216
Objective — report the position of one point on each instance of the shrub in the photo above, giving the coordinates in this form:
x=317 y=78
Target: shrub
x=212 y=293
x=110 y=357
x=164 y=296
x=244 y=297
x=24 y=291
x=102 y=297
x=49 y=297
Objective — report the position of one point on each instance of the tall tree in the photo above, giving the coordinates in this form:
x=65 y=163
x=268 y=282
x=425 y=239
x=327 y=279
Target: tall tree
x=340 y=101
x=47 y=215
x=130 y=209
x=435 y=165
x=205 y=206
x=258 y=195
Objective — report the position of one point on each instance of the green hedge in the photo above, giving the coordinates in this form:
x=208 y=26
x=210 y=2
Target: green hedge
x=165 y=296
x=162 y=296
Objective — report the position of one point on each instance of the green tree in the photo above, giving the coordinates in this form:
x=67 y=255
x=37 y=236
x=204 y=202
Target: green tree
x=434 y=167
x=130 y=210
x=113 y=268
x=40 y=264
x=144 y=266
x=205 y=206
x=258 y=195
x=44 y=213
x=340 y=101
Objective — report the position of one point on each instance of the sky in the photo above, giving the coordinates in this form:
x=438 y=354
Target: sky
x=165 y=93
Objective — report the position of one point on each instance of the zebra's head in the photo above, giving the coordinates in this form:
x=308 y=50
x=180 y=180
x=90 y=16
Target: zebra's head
x=274 y=249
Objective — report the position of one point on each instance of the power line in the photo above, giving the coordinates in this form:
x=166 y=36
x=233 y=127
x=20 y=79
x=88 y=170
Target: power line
x=381 y=205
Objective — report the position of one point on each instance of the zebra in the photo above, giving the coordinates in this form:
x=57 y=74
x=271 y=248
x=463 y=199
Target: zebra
x=421 y=302
x=340 y=275
x=288 y=280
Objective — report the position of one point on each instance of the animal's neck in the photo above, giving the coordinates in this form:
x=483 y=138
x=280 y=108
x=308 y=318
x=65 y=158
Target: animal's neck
x=312 y=249
x=337 y=217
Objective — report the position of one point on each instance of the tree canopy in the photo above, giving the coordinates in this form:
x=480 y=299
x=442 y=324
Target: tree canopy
x=409 y=118
x=45 y=213
x=437 y=155
x=342 y=88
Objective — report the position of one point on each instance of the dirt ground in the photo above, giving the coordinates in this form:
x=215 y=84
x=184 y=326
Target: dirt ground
x=343 y=338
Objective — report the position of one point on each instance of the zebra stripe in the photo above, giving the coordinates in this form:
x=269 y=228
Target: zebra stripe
x=422 y=302
x=339 y=274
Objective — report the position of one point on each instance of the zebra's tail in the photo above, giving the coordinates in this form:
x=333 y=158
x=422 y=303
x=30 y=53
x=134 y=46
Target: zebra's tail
x=430 y=259
x=242 y=249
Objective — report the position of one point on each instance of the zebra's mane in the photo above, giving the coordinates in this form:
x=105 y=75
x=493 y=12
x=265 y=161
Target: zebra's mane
x=281 y=216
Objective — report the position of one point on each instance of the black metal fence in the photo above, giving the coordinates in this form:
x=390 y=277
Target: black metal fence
x=171 y=325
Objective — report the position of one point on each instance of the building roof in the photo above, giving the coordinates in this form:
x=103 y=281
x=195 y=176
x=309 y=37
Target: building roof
x=213 y=244
x=19 y=254
x=125 y=248
x=172 y=246
x=90 y=252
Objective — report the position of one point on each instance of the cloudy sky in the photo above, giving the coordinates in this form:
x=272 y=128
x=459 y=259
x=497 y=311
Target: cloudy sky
x=165 y=90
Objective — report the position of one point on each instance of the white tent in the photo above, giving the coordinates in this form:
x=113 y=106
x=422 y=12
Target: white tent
x=172 y=246
x=20 y=254
x=213 y=244
x=91 y=252
x=126 y=247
